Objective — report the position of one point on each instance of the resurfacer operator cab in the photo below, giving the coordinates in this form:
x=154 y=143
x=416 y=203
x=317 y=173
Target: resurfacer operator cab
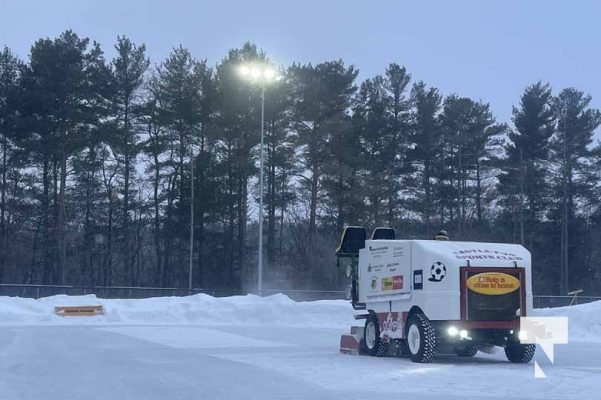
x=423 y=297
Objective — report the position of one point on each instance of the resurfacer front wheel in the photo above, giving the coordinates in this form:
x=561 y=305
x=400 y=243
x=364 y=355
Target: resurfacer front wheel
x=520 y=353
x=421 y=339
x=374 y=345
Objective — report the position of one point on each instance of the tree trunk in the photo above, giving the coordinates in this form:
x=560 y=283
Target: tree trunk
x=313 y=205
x=157 y=219
x=47 y=265
x=242 y=216
x=3 y=195
x=478 y=192
x=283 y=211
x=3 y=228
x=88 y=240
x=126 y=245
x=271 y=204
x=427 y=205
x=564 y=224
x=204 y=158
x=108 y=272
x=60 y=231
x=54 y=224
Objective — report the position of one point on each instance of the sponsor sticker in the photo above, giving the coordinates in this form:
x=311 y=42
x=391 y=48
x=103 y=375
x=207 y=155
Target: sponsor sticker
x=387 y=283
x=493 y=283
x=392 y=283
x=397 y=282
x=418 y=279
x=374 y=283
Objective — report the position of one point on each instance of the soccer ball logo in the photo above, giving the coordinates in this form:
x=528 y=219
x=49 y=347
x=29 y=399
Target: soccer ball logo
x=437 y=272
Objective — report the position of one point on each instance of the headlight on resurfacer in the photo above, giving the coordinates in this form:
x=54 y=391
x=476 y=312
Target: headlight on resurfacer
x=454 y=332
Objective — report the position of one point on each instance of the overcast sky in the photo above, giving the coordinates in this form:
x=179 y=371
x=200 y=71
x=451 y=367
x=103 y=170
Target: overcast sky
x=485 y=49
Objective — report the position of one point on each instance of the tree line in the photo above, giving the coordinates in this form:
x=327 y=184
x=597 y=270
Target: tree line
x=98 y=157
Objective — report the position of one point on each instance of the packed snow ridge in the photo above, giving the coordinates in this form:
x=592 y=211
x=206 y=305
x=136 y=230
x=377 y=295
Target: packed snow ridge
x=250 y=310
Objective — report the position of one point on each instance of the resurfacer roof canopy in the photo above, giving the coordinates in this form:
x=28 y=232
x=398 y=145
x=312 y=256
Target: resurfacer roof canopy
x=352 y=240
x=441 y=235
x=383 y=234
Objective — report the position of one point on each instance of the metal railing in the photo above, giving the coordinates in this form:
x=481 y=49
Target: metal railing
x=542 y=301
x=126 y=292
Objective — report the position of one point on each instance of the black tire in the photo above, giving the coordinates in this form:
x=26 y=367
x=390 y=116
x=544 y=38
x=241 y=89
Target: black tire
x=421 y=338
x=374 y=345
x=403 y=349
x=520 y=353
x=466 y=350
x=362 y=347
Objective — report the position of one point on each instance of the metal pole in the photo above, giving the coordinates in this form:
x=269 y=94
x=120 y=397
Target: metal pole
x=260 y=257
x=191 y=220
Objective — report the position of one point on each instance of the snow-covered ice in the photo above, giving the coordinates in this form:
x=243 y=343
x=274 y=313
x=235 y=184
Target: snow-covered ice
x=247 y=347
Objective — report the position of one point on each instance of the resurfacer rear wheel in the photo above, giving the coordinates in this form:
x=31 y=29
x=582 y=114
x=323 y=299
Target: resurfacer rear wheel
x=374 y=345
x=421 y=338
x=520 y=353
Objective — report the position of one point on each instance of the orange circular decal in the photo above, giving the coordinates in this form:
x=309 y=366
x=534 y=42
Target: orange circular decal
x=493 y=283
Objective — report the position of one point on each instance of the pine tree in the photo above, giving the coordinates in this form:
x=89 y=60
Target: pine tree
x=426 y=136
x=129 y=67
x=236 y=123
x=576 y=123
x=279 y=165
x=10 y=70
x=469 y=140
x=522 y=180
x=60 y=99
x=322 y=94
x=373 y=125
x=178 y=91
x=397 y=83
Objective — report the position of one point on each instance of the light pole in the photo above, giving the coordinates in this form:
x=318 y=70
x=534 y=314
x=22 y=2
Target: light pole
x=191 y=218
x=261 y=75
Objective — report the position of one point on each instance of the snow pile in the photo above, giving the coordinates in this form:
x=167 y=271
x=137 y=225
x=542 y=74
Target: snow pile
x=199 y=309
x=278 y=310
x=584 y=320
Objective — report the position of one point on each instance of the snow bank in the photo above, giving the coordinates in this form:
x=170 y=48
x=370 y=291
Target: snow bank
x=199 y=309
x=584 y=320
x=278 y=310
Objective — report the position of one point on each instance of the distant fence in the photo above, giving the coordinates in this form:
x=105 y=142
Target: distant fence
x=562 y=301
x=125 y=292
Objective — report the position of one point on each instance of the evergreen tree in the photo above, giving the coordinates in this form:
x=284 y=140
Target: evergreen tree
x=522 y=180
x=237 y=124
x=322 y=95
x=373 y=125
x=10 y=69
x=179 y=93
x=129 y=67
x=397 y=82
x=469 y=132
x=280 y=166
x=576 y=123
x=61 y=94
x=426 y=136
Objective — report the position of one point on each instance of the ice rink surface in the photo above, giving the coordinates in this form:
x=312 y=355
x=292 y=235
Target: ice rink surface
x=57 y=359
